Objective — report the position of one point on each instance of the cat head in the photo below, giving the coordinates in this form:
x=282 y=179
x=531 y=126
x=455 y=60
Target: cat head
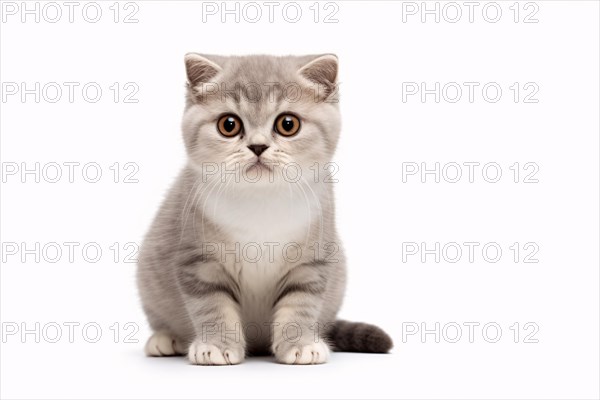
x=260 y=120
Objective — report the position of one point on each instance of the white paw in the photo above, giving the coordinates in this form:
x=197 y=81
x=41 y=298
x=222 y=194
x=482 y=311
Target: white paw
x=208 y=354
x=162 y=344
x=312 y=353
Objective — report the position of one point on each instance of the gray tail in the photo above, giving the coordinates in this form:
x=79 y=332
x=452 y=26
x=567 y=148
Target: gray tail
x=359 y=338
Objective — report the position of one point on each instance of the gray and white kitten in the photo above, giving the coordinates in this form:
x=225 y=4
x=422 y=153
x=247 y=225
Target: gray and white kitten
x=243 y=257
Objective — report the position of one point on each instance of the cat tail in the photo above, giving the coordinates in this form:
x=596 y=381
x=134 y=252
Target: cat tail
x=358 y=337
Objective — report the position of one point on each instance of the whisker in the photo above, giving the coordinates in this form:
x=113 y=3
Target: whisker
x=185 y=212
x=209 y=188
x=320 y=208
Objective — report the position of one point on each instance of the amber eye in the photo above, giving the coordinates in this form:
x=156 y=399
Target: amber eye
x=229 y=125
x=287 y=125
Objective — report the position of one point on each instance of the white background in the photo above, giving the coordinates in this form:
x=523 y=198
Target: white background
x=377 y=212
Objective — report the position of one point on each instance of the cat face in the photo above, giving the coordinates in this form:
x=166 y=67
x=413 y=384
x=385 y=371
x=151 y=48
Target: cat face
x=260 y=120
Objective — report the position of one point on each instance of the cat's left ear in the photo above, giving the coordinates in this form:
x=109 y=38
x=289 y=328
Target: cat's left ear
x=200 y=69
x=323 y=71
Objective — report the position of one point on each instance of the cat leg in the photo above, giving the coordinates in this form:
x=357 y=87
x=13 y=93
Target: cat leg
x=211 y=298
x=162 y=343
x=296 y=333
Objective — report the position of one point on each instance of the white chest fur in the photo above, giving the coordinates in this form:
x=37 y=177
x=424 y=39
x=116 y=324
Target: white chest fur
x=263 y=215
x=266 y=229
x=263 y=232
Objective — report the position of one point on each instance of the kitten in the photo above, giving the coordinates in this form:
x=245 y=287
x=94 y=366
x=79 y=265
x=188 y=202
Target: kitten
x=243 y=256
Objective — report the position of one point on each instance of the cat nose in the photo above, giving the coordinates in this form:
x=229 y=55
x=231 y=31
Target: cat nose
x=258 y=149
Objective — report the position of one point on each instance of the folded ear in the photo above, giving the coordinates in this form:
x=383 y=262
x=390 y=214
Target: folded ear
x=323 y=71
x=200 y=69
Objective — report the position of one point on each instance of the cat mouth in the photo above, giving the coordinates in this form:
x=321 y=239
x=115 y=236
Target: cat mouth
x=260 y=165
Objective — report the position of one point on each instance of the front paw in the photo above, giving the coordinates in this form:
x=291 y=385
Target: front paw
x=162 y=344
x=302 y=353
x=207 y=353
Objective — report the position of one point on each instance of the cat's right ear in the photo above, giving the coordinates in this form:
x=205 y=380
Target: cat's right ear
x=199 y=69
x=323 y=71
